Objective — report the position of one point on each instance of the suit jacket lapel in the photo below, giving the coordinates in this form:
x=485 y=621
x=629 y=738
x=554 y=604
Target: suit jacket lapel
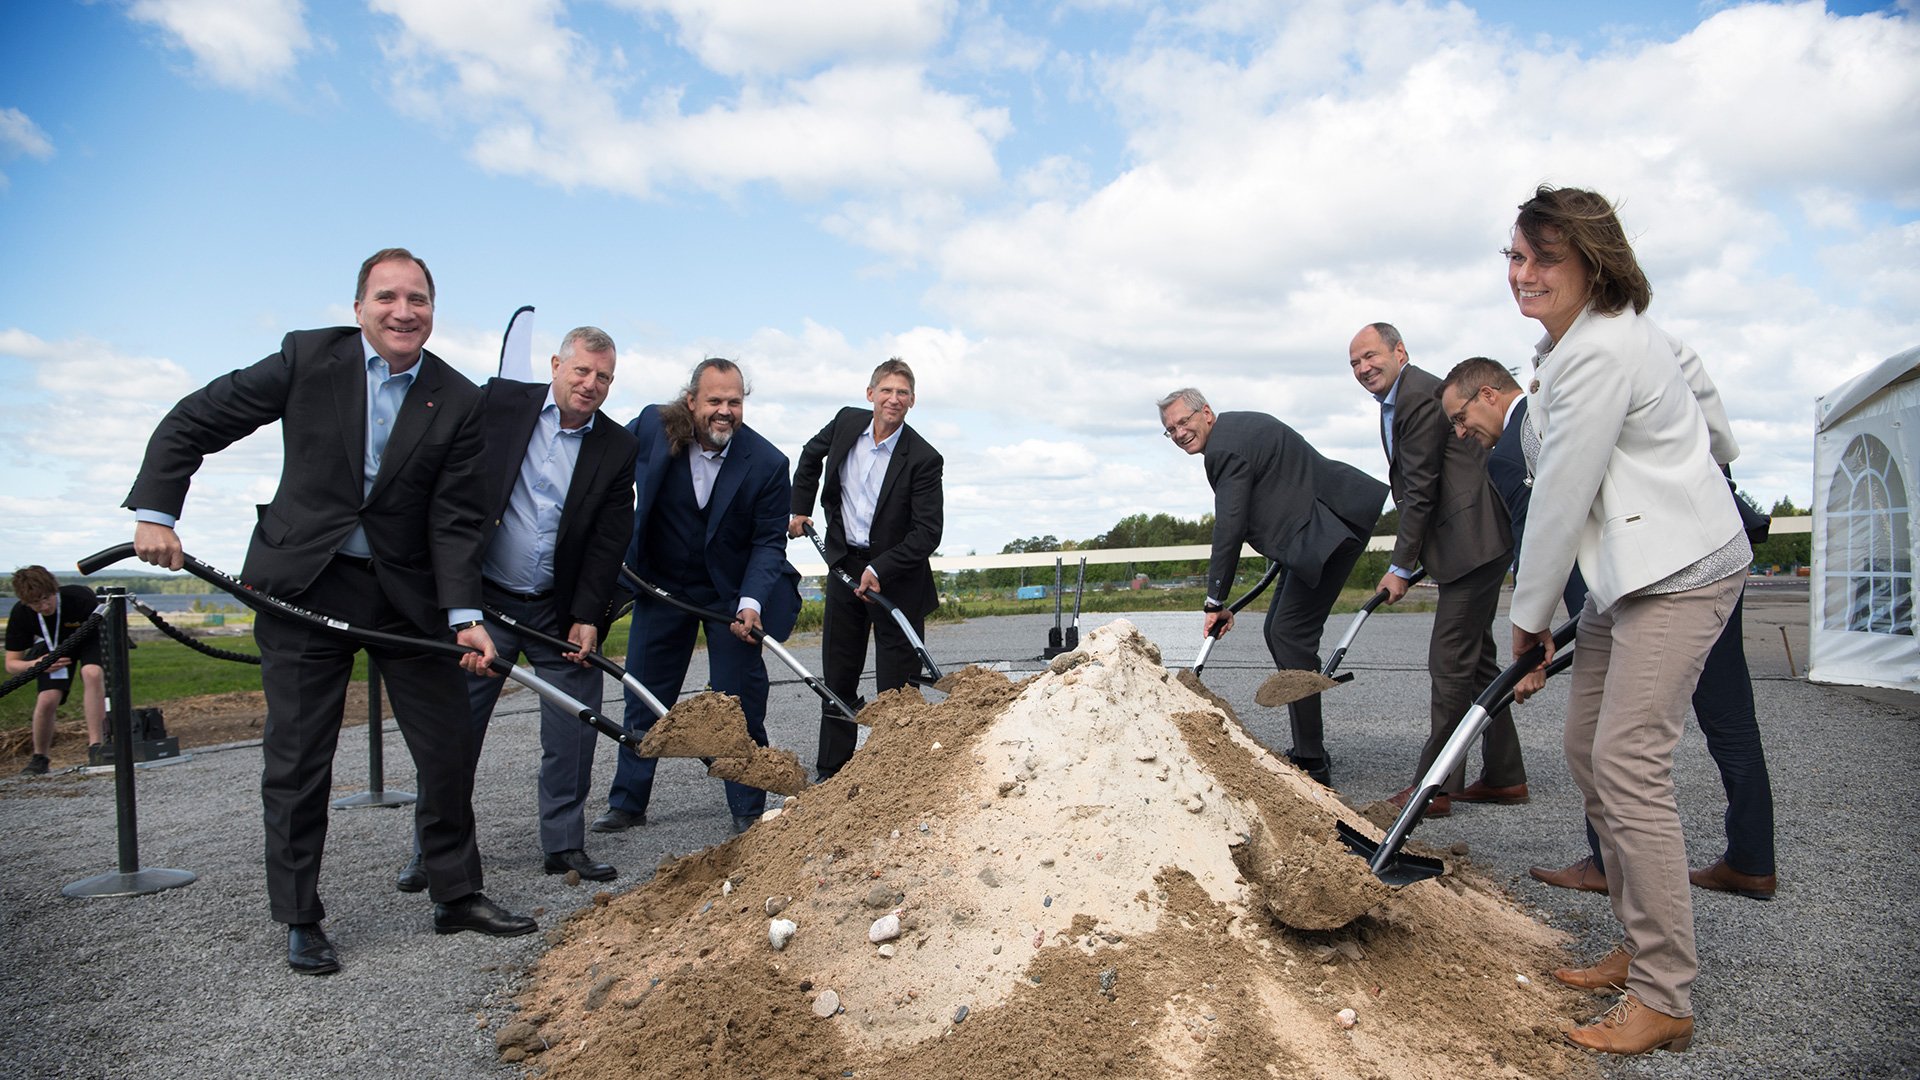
x=732 y=470
x=350 y=400
x=586 y=467
x=896 y=464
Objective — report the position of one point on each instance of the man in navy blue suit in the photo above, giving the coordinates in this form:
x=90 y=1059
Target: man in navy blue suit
x=709 y=526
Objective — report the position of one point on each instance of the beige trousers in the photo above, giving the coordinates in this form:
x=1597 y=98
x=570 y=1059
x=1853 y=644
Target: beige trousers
x=1634 y=670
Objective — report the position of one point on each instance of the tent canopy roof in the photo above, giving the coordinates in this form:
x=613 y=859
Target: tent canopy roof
x=1834 y=406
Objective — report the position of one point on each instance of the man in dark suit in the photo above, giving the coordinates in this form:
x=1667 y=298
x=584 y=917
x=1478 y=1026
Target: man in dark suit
x=1484 y=403
x=884 y=510
x=377 y=521
x=1452 y=523
x=559 y=481
x=1309 y=514
x=709 y=526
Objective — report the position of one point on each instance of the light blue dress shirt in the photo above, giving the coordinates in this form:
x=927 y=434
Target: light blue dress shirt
x=520 y=555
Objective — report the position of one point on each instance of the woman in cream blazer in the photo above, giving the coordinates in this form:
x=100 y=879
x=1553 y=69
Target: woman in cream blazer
x=1625 y=483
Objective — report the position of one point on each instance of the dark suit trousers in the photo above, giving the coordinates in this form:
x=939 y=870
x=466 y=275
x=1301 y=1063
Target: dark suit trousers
x=659 y=649
x=304 y=671
x=1462 y=660
x=1723 y=703
x=843 y=642
x=567 y=743
x=1296 y=619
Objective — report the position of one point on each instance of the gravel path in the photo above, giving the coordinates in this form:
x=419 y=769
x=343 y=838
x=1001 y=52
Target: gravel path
x=191 y=982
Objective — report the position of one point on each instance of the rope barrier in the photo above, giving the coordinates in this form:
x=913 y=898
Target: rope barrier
x=67 y=647
x=189 y=640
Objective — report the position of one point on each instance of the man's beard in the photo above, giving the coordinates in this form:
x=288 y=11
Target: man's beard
x=717 y=440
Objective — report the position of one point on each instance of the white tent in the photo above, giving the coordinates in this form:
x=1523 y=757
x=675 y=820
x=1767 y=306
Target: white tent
x=1866 y=541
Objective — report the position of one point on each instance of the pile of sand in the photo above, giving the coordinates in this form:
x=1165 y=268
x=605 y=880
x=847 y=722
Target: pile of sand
x=1096 y=872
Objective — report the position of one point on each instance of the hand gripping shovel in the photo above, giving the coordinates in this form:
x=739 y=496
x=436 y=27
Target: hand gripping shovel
x=929 y=671
x=270 y=605
x=759 y=636
x=1286 y=687
x=1206 y=646
x=1385 y=858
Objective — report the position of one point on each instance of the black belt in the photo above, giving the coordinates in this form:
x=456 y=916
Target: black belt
x=861 y=553
x=523 y=597
x=363 y=562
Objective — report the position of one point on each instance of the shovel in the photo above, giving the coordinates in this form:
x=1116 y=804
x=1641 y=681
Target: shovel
x=1286 y=687
x=1385 y=858
x=679 y=729
x=271 y=605
x=929 y=671
x=1206 y=647
x=759 y=636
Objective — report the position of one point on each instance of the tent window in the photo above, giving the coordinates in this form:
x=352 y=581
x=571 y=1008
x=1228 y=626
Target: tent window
x=1869 y=564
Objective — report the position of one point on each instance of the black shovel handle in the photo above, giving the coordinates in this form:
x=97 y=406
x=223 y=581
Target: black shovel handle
x=892 y=609
x=1206 y=647
x=1353 y=629
x=271 y=605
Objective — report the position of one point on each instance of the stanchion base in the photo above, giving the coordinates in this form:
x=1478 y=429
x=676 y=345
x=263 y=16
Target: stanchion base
x=375 y=798
x=139 y=883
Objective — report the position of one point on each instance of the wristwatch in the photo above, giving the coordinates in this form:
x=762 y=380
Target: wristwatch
x=468 y=625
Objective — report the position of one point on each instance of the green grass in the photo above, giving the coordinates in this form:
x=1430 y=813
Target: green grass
x=163 y=670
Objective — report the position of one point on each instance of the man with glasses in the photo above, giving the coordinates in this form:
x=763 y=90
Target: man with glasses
x=1310 y=514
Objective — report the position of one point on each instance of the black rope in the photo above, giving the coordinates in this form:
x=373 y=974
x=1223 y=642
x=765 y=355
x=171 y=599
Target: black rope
x=189 y=640
x=68 y=646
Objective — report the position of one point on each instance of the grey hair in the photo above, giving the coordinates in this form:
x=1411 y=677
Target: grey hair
x=1389 y=337
x=588 y=338
x=893 y=365
x=1186 y=395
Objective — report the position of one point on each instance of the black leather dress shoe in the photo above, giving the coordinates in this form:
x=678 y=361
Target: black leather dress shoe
x=1318 y=769
x=576 y=860
x=412 y=877
x=475 y=912
x=618 y=820
x=308 y=950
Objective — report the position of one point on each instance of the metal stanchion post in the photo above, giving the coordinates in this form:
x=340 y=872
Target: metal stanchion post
x=131 y=879
x=376 y=793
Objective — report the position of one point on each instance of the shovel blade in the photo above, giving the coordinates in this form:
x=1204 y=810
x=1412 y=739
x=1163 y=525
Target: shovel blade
x=1398 y=868
x=1288 y=686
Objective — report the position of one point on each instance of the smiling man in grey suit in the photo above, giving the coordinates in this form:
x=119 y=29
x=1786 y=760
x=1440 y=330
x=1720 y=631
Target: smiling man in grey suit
x=1452 y=523
x=376 y=522
x=1310 y=514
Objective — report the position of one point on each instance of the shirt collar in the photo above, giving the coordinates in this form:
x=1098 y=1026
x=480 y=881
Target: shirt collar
x=1511 y=405
x=887 y=443
x=377 y=365
x=1392 y=396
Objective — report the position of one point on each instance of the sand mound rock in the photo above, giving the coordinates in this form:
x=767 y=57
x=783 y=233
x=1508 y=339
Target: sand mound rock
x=1095 y=872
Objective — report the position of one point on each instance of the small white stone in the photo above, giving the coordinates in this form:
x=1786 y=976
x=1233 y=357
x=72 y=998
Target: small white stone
x=1346 y=1018
x=826 y=1004
x=884 y=928
x=887 y=951
x=776 y=904
x=779 y=932
x=936 y=746
x=1523 y=980
x=726 y=887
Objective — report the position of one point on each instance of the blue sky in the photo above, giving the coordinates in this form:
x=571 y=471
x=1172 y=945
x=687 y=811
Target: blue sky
x=1056 y=212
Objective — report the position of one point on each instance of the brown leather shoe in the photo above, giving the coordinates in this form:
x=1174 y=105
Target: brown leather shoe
x=1440 y=806
x=1723 y=878
x=1480 y=791
x=1581 y=875
x=1609 y=976
x=1632 y=1027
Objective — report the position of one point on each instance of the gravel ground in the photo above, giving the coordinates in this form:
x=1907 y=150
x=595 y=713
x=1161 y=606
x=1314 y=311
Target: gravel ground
x=191 y=982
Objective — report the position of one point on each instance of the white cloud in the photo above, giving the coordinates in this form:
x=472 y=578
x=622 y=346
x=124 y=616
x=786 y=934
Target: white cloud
x=245 y=44
x=771 y=37
x=19 y=135
x=549 y=104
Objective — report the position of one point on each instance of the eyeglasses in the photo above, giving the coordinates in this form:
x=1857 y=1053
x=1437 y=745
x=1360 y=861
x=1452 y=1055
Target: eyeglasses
x=1179 y=424
x=1459 y=419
